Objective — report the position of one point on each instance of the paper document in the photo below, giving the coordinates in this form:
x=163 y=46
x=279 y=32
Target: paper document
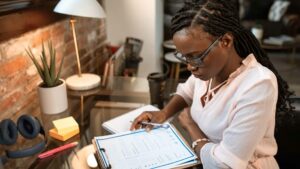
x=279 y=40
x=159 y=148
x=122 y=123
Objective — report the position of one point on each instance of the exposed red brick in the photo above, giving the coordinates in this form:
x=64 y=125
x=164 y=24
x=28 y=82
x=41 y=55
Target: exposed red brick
x=18 y=91
x=13 y=66
x=8 y=102
x=31 y=99
x=58 y=30
x=32 y=85
x=69 y=48
x=43 y=36
x=69 y=61
x=68 y=36
x=13 y=82
x=82 y=42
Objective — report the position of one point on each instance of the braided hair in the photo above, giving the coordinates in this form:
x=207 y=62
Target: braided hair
x=218 y=17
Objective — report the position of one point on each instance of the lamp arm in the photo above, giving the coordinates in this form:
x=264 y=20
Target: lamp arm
x=72 y=21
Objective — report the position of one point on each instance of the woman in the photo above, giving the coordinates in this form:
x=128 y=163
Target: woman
x=233 y=93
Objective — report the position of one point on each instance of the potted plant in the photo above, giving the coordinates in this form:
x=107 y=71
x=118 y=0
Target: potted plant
x=52 y=90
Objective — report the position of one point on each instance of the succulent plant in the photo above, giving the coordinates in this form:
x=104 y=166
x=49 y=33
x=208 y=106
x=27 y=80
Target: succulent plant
x=47 y=69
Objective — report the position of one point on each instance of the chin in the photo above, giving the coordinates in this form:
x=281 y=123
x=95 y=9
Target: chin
x=201 y=77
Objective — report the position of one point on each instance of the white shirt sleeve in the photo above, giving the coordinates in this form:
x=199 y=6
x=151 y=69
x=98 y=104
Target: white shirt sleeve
x=250 y=118
x=186 y=90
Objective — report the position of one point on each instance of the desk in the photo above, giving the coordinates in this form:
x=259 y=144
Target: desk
x=130 y=90
x=289 y=46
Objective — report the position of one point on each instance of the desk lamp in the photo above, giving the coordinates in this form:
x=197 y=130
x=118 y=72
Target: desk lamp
x=85 y=8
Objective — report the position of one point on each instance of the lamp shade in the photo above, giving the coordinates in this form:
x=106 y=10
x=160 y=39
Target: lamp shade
x=85 y=8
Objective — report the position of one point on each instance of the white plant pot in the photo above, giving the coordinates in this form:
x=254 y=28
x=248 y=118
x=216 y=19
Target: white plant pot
x=53 y=100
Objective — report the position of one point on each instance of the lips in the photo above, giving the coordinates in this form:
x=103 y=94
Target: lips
x=197 y=76
x=199 y=72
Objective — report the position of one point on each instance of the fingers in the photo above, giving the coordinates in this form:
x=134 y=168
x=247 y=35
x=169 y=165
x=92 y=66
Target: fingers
x=148 y=128
x=146 y=116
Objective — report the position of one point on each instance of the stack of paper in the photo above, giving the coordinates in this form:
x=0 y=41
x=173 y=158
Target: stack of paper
x=159 y=148
x=278 y=40
x=64 y=128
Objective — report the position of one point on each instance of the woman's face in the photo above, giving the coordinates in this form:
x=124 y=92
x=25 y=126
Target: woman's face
x=192 y=42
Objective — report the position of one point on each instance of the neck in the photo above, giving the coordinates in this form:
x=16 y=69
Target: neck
x=233 y=63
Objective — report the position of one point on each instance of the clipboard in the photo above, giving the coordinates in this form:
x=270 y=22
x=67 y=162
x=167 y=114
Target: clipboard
x=103 y=159
x=196 y=162
x=187 y=159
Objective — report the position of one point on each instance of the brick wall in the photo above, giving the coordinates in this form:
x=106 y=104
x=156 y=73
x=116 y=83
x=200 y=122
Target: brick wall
x=18 y=76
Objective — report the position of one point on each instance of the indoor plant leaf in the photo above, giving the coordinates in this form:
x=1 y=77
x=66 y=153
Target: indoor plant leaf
x=45 y=68
x=52 y=60
x=36 y=63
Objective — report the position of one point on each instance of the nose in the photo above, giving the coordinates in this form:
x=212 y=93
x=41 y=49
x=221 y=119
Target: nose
x=191 y=68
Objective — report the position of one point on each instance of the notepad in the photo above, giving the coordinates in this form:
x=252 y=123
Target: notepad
x=159 y=148
x=65 y=125
x=64 y=128
x=63 y=137
x=122 y=123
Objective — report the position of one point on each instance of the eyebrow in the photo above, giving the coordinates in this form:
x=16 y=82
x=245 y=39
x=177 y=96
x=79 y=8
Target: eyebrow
x=202 y=52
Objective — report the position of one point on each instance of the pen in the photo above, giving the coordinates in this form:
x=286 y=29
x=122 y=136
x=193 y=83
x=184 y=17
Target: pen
x=58 y=149
x=153 y=124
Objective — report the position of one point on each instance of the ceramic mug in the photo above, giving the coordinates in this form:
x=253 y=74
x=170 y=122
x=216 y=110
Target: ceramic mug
x=258 y=33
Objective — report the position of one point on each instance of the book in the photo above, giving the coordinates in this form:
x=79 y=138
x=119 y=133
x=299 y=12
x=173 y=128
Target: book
x=159 y=148
x=122 y=123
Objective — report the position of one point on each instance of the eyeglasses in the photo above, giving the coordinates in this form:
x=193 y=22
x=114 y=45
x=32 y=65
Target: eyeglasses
x=197 y=60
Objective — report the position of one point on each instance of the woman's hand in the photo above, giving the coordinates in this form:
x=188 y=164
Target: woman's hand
x=174 y=105
x=148 y=116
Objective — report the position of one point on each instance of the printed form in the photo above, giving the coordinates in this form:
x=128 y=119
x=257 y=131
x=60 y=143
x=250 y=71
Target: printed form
x=159 y=148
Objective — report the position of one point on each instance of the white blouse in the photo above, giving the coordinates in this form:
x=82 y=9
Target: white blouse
x=239 y=119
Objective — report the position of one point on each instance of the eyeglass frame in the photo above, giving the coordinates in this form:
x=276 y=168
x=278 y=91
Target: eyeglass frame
x=197 y=60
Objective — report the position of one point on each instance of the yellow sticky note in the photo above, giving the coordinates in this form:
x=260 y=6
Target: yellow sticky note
x=63 y=137
x=65 y=125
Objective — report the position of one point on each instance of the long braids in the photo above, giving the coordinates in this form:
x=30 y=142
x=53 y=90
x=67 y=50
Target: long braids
x=218 y=17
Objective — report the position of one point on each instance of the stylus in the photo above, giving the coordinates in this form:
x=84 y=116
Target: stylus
x=58 y=149
x=153 y=124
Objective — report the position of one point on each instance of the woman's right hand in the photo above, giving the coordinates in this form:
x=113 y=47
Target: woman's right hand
x=148 y=116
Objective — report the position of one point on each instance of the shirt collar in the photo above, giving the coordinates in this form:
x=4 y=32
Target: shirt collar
x=248 y=62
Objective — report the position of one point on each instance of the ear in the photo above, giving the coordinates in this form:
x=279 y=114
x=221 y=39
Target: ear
x=227 y=40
